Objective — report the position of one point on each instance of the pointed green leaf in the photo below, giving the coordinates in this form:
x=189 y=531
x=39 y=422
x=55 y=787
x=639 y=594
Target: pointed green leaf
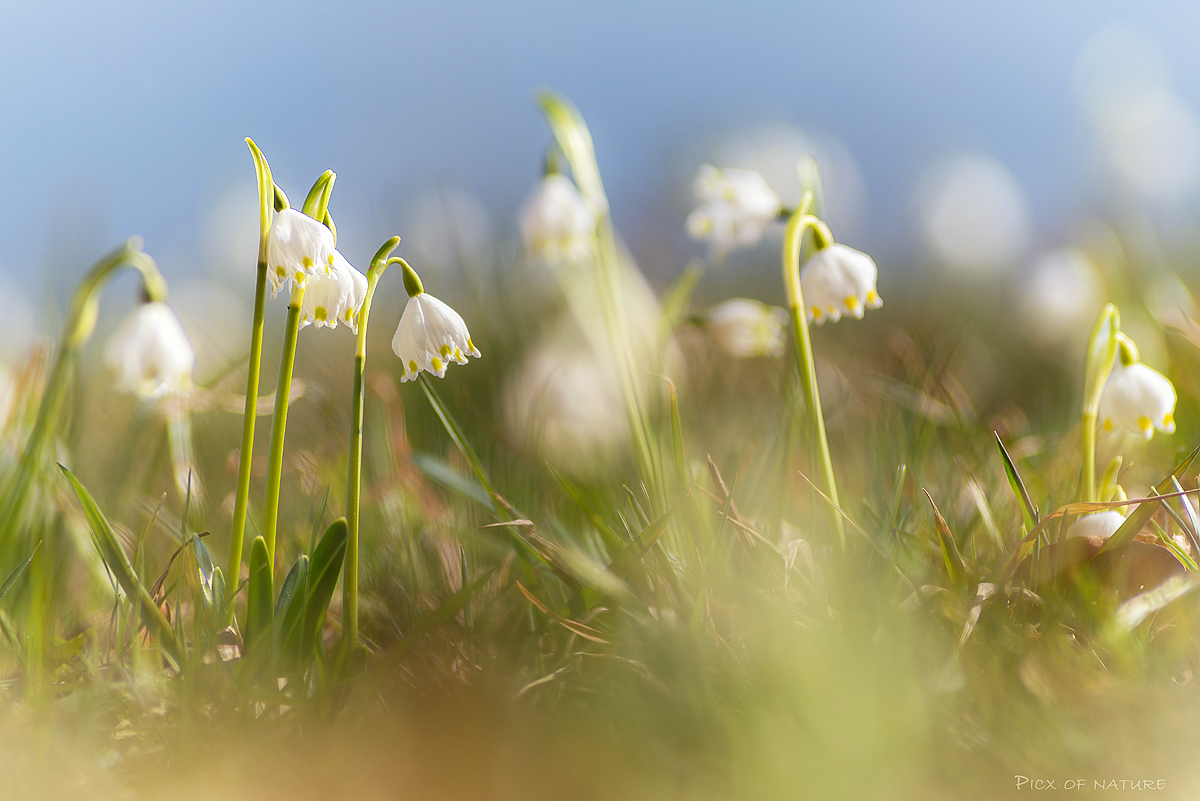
x=289 y=608
x=1028 y=511
x=324 y=571
x=1137 y=519
x=15 y=576
x=118 y=563
x=642 y=543
x=259 y=594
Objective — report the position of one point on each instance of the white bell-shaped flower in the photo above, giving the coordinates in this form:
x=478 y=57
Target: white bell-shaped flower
x=557 y=222
x=735 y=208
x=149 y=354
x=299 y=247
x=1139 y=399
x=838 y=280
x=330 y=299
x=430 y=336
x=745 y=328
x=1103 y=524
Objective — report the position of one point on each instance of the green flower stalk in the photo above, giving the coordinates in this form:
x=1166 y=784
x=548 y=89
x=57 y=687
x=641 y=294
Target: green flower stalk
x=799 y=222
x=1101 y=352
x=78 y=328
x=266 y=204
x=298 y=246
x=379 y=263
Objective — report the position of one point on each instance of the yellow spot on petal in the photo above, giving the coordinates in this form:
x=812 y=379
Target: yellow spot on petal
x=873 y=297
x=280 y=272
x=851 y=302
x=436 y=362
x=1144 y=423
x=817 y=312
x=832 y=310
x=320 y=313
x=458 y=355
x=306 y=261
x=1168 y=420
x=470 y=344
x=445 y=350
x=412 y=365
x=1107 y=424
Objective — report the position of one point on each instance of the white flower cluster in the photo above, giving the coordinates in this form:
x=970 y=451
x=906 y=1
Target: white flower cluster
x=330 y=299
x=746 y=328
x=735 y=208
x=301 y=251
x=557 y=222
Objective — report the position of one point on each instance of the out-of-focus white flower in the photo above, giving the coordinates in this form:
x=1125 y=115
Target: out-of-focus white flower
x=1060 y=295
x=430 y=334
x=838 y=280
x=149 y=354
x=299 y=247
x=1138 y=399
x=330 y=299
x=557 y=222
x=735 y=208
x=1103 y=524
x=973 y=214
x=746 y=328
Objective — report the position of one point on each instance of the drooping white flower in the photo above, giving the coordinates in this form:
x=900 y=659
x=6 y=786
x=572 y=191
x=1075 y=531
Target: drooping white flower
x=299 y=247
x=746 y=328
x=735 y=208
x=1103 y=524
x=557 y=222
x=330 y=299
x=149 y=354
x=1139 y=399
x=430 y=334
x=838 y=280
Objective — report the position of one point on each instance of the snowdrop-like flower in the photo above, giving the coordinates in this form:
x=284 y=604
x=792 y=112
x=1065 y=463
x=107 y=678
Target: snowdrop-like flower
x=557 y=222
x=299 y=247
x=430 y=334
x=1103 y=524
x=1138 y=399
x=330 y=299
x=735 y=208
x=746 y=328
x=838 y=280
x=149 y=354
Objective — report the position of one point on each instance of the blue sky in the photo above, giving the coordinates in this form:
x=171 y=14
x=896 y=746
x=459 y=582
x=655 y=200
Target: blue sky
x=128 y=118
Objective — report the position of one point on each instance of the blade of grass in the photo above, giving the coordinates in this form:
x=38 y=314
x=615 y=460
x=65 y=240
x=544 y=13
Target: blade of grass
x=1028 y=511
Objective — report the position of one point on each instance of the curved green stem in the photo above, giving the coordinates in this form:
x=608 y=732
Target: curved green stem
x=78 y=328
x=1102 y=350
x=354 y=472
x=798 y=223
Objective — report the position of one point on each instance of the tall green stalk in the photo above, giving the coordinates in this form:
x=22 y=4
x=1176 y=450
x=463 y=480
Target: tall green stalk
x=379 y=263
x=266 y=197
x=798 y=223
x=315 y=206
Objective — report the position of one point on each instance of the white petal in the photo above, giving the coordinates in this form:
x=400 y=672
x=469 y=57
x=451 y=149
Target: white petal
x=298 y=245
x=149 y=354
x=1138 y=399
x=430 y=336
x=557 y=221
x=1104 y=524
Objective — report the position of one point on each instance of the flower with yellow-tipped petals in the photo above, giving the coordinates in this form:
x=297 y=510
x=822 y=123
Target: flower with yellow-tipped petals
x=735 y=208
x=430 y=334
x=1138 y=399
x=149 y=354
x=838 y=280
x=330 y=299
x=299 y=246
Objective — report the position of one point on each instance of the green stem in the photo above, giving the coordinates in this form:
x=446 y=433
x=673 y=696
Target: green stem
x=799 y=222
x=1102 y=350
x=245 y=457
x=354 y=477
x=77 y=330
x=283 y=390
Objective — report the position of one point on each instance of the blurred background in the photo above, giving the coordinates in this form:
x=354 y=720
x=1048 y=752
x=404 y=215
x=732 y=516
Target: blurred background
x=974 y=139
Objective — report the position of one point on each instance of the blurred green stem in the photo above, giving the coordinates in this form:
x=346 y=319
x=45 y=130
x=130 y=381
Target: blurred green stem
x=266 y=199
x=354 y=478
x=78 y=328
x=798 y=223
x=1102 y=349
